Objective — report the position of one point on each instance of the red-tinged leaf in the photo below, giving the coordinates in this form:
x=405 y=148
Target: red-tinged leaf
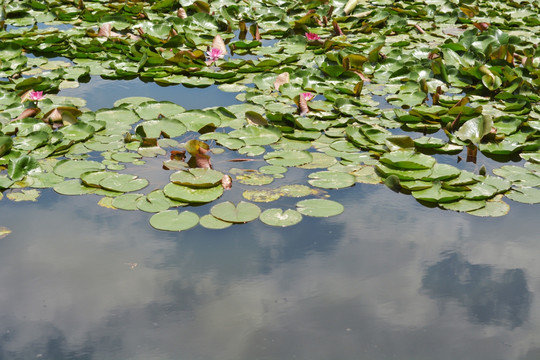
x=472 y=151
x=337 y=29
x=218 y=43
x=302 y=106
x=181 y=13
x=241 y=160
x=201 y=161
x=330 y=12
x=179 y=155
x=254 y=31
x=106 y=31
x=419 y=29
x=281 y=79
x=226 y=182
x=27 y=113
x=193 y=146
x=362 y=76
x=483 y=26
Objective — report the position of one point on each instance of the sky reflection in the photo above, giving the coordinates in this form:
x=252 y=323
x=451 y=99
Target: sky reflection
x=85 y=282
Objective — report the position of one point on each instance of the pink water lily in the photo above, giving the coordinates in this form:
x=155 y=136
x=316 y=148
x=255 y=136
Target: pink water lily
x=307 y=96
x=35 y=95
x=214 y=54
x=312 y=37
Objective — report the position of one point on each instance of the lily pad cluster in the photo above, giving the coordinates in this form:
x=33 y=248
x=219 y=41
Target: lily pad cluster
x=344 y=92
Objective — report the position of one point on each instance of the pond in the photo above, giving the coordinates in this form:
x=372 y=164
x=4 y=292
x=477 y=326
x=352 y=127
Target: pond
x=388 y=278
x=269 y=180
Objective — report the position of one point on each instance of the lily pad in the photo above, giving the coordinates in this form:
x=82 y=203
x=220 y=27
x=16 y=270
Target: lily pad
x=123 y=183
x=278 y=217
x=171 y=220
x=241 y=213
x=319 y=207
x=331 y=179
x=202 y=178
x=211 y=222
x=192 y=195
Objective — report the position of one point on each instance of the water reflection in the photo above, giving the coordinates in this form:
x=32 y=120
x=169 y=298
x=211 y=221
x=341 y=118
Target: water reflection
x=102 y=93
x=490 y=296
x=84 y=282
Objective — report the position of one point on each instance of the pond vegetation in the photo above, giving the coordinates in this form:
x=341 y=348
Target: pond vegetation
x=406 y=94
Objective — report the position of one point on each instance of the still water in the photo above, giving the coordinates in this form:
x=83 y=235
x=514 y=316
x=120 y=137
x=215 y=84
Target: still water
x=387 y=279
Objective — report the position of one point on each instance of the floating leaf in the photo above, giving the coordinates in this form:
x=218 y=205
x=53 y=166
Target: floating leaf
x=171 y=220
x=527 y=195
x=24 y=195
x=126 y=201
x=4 y=231
x=319 y=207
x=192 y=195
x=288 y=158
x=261 y=195
x=331 y=179
x=241 y=213
x=201 y=178
x=123 y=183
x=278 y=217
x=211 y=222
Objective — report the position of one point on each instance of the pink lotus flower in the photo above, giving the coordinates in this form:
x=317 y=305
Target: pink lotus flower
x=307 y=96
x=312 y=37
x=35 y=95
x=214 y=54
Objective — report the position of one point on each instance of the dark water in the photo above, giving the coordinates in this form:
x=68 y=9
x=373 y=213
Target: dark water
x=387 y=279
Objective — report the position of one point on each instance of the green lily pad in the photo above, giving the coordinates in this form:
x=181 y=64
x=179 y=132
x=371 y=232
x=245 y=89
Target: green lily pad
x=464 y=205
x=241 y=213
x=171 y=220
x=437 y=194
x=200 y=178
x=123 y=183
x=527 y=195
x=492 y=209
x=154 y=109
x=331 y=179
x=319 y=207
x=408 y=160
x=257 y=135
x=126 y=201
x=74 y=168
x=192 y=195
x=288 y=158
x=211 y=222
x=278 y=217
x=73 y=187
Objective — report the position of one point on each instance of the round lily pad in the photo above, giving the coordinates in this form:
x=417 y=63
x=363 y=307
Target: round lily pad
x=74 y=168
x=319 y=207
x=492 y=209
x=241 y=213
x=410 y=160
x=288 y=158
x=261 y=195
x=527 y=195
x=192 y=195
x=73 y=187
x=171 y=220
x=295 y=190
x=123 y=183
x=464 y=205
x=257 y=135
x=197 y=177
x=278 y=217
x=331 y=179
x=211 y=222
x=126 y=201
